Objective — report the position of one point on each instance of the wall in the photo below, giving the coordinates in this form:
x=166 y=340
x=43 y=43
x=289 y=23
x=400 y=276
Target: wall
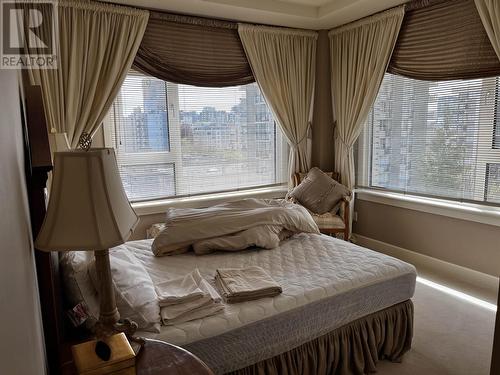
x=468 y=244
x=322 y=124
x=21 y=344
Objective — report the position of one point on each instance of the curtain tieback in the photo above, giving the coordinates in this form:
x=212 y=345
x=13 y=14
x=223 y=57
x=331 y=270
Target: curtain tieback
x=305 y=137
x=341 y=140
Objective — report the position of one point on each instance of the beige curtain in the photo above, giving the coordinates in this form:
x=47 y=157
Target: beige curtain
x=489 y=11
x=97 y=43
x=283 y=62
x=360 y=53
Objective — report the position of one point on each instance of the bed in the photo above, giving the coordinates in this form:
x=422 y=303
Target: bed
x=343 y=308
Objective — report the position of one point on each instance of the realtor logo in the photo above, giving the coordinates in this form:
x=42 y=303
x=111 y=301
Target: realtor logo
x=29 y=34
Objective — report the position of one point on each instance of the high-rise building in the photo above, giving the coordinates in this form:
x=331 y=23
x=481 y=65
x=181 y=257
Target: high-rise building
x=394 y=125
x=154 y=93
x=145 y=128
x=430 y=137
x=260 y=126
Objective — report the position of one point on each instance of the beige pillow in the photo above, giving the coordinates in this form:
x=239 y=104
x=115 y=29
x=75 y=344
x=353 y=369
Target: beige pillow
x=318 y=192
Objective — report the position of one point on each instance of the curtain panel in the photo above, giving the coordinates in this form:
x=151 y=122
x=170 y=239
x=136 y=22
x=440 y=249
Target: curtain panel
x=359 y=55
x=445 y=40
x=194 y=51
x=96 y=47
x=283 y=62
x=489 y=11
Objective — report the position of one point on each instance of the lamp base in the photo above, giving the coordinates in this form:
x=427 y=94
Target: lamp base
x=109 y=322
x=127 y=326
x=103 y=330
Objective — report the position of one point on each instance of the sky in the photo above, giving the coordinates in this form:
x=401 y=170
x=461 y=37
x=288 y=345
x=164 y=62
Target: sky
x=191 y=98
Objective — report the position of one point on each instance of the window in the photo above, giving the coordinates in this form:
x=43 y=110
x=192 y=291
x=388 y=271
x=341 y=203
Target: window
x=496 y=134
x=493 y=182
x=180 y=140
x=433 y=138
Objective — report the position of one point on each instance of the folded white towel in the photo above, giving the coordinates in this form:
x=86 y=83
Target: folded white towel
x=180 y=290
x=187 y=298
x=210 y=296
x=173 y=311
x=201 y=312
x=245 y=284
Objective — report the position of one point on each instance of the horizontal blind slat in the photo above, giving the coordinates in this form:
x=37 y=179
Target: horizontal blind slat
x=433 y=138
x=181 y=140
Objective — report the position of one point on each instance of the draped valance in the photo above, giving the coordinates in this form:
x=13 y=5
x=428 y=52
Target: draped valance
x=443 y=40
x=192 y=50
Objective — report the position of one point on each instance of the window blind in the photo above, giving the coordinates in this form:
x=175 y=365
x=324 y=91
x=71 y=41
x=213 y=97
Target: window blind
x=181 y=140
x=433 y=138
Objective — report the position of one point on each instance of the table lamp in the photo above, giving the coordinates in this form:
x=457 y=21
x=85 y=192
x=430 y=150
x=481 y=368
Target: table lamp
x=88 y=210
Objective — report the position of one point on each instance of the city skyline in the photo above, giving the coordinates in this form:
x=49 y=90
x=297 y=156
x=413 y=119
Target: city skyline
x=190 y=97
x=433 y=138
x=164 y=150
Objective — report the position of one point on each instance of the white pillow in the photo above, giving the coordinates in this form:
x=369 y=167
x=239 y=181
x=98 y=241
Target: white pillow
x=136 y=298
x=77 y=284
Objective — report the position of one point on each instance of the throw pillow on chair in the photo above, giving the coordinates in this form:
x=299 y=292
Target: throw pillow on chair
x=323 y=196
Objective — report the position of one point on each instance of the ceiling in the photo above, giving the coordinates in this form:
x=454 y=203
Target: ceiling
x=307 y=14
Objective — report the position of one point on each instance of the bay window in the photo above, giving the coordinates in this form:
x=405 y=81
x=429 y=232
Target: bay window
x=176 y=140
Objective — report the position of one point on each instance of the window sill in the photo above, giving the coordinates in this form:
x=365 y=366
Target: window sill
x=464 y=211
x=160 y=206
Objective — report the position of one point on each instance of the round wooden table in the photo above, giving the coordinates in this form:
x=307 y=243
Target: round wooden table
x=159 y=358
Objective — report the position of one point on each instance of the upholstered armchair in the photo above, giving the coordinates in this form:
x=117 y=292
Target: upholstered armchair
x=330 y=222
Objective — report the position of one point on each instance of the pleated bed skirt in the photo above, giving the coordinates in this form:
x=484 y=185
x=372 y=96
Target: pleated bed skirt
x=351 y=349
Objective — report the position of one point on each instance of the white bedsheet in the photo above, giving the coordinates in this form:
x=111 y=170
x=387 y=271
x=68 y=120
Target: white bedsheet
x=326 y=283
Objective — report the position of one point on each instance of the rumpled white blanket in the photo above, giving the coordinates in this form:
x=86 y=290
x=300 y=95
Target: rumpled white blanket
x=232 y=226
x=187 y=298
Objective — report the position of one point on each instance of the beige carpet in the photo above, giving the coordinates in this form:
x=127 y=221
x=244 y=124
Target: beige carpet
x=451 y=337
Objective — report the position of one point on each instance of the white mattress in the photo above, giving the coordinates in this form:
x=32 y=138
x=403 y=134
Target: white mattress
x=326 y=282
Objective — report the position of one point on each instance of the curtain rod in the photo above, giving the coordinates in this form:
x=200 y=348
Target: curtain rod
x=391 y=12
x=201 y=20
x=409 y=6
x=192 y=20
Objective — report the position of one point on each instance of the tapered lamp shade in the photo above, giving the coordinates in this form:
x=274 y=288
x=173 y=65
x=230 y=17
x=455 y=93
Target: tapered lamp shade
x=88 y=208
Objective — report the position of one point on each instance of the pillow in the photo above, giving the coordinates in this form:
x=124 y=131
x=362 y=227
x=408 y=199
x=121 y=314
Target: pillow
x=78 y=286
x=154 y=230
x=136 y=298
x=162 y=244
x=318 y=192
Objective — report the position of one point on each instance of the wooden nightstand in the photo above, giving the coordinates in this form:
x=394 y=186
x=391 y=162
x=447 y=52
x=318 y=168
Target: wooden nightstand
x=160 y=358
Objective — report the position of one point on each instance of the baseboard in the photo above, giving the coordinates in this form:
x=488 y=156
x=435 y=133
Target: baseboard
x=469 y=281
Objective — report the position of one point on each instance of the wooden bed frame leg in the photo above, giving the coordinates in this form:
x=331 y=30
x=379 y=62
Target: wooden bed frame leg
x=346 y=219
